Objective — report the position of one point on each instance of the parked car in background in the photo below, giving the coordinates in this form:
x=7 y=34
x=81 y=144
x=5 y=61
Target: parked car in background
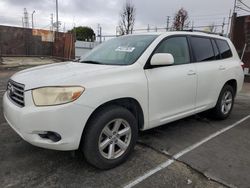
x=124 y=85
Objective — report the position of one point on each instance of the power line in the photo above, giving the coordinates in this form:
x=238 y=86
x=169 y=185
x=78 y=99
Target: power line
x=244 y=4
x=219 y=18
x=198 y=26
x=242 y=9
x=203 y=26
x=11 y=16
x=45 y=26
x=208 y=15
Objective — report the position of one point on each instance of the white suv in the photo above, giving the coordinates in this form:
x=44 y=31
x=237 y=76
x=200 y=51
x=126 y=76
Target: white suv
x=129 y=83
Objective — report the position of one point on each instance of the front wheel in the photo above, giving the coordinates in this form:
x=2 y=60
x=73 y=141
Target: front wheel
x=110 y=137
x=225 y=103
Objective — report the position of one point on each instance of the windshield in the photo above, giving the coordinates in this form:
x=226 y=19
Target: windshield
x=123 y=50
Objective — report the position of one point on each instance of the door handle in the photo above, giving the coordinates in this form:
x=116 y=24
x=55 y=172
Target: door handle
x=222 y=68
x=191 y=72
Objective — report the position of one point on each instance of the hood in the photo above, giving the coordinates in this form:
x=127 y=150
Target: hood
x=58 y=74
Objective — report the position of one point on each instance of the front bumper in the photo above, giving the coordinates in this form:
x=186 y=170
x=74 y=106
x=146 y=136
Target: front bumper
x=68 y=120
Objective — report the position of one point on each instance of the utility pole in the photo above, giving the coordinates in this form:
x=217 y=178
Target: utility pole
x=51 y=22
x=228 y=23
x=32 y=19
x=233 y=20
x=99 y=32
x=26 y=18
x=57 y=23
x=117 y=31
x=74 y=30
x=22 y=22
x=223 y=25
x=168 y=22
x=235 y=4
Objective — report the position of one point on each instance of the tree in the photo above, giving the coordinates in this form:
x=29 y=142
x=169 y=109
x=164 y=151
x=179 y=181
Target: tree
x=84 y=33
x=127 y=21
x=180 y=20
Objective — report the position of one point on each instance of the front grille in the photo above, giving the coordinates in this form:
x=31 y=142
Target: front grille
x=16 y=93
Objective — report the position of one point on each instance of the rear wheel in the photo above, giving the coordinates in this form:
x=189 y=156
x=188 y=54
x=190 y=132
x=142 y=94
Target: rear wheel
x=225 y=103
x=110 y=137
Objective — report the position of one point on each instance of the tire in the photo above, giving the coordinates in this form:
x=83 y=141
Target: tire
x=219 y=112
x=95 y=137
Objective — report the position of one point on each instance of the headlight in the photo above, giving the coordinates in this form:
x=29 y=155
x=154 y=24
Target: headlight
x=47 y=96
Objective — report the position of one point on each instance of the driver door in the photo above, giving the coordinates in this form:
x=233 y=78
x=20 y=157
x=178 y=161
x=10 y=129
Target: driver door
x=172 y=89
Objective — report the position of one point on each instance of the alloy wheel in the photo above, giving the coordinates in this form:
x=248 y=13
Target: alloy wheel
x=226 y=103
x=114 y=139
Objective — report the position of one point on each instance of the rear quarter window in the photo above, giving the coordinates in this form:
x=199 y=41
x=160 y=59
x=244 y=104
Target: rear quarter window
x=216 y=50
x=224 y=49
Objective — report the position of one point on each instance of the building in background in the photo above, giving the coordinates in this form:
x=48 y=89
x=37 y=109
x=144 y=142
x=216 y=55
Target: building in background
x=241 y=39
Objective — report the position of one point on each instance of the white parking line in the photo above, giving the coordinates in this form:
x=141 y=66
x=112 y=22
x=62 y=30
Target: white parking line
x=181 y=153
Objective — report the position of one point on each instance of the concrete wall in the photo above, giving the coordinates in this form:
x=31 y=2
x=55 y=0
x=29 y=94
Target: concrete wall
x=82 y=47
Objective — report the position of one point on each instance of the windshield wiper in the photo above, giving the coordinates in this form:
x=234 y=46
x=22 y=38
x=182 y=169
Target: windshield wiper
x=92 y=62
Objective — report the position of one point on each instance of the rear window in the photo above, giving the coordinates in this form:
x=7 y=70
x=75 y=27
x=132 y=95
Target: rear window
x=202 y=48
x=224 y=49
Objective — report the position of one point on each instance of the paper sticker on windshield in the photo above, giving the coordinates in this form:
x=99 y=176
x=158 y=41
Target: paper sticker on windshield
x=124 y=49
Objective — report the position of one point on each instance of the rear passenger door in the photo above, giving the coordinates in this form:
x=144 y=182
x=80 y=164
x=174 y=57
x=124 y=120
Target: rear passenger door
x=208 y=66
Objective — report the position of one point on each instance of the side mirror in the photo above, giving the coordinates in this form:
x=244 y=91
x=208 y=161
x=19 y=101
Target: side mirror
x=162 y=59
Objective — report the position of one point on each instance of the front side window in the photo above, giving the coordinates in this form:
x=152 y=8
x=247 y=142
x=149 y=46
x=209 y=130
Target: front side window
x=203 y=49
x=178 y=47
x=224 y=49
x=123 y=50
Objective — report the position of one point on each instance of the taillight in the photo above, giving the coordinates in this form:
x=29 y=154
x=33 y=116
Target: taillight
x=242 y=65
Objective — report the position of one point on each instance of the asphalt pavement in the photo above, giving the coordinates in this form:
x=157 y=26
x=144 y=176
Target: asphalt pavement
x=222 y=161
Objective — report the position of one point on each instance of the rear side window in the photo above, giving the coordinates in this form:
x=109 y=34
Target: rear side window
x=224 y=49
x=202 y=48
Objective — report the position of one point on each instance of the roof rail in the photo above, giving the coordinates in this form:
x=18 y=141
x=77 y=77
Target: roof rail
x=207 y=32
